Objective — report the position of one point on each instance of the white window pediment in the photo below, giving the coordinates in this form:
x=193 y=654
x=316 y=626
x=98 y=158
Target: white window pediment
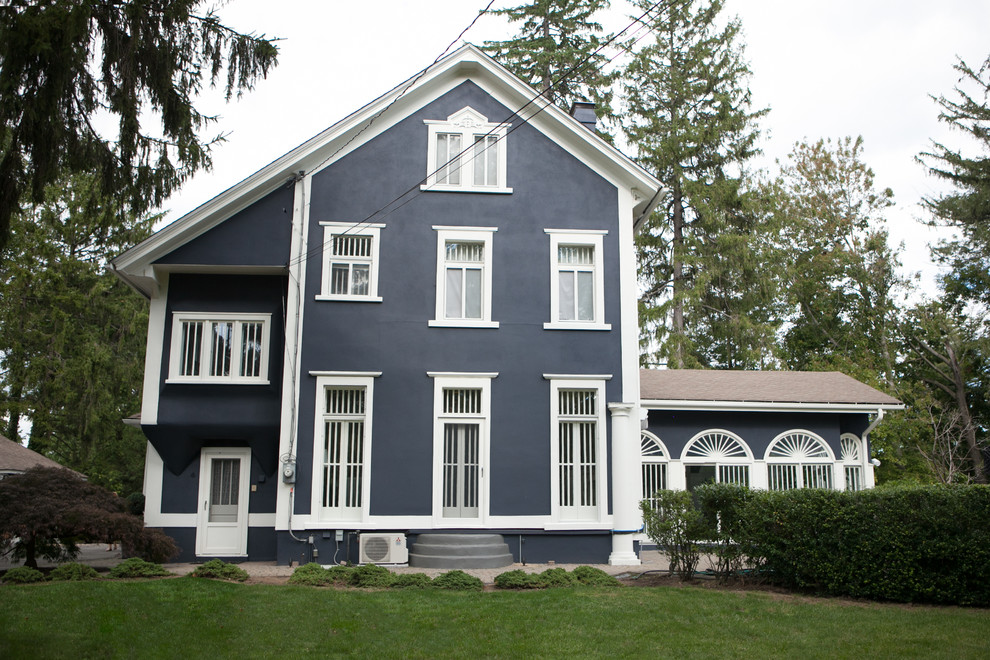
x=466 y=153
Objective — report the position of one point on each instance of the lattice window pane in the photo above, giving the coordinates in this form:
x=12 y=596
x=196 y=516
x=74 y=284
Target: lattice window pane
x=345 y=400
x=649 y=447
x=716 y=446
x=782 y=477
x=817 y=476
x=734 y=474
x=466 y=401
x=346 y=245
x=465 y=252
x=251 y=347
x=854 y=477
x=654 y=479
x=578 y=403
x=850 y=450
x=220 y=349
x=583 y=255
x=192 y=338
x=224 y=489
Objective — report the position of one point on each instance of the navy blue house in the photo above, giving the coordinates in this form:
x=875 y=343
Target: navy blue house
x=424 y=319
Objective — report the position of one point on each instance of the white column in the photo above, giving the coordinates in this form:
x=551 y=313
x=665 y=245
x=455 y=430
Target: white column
x=626 y=520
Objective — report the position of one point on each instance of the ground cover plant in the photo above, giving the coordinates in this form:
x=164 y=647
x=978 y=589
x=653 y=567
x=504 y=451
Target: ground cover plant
x=135 y=567
x=206 y=618
x=23 y=575
x=73 y=571
x=220 y=570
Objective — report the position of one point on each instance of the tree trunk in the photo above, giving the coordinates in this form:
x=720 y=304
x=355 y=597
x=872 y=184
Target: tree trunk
x=29 y=558
x=965 y=419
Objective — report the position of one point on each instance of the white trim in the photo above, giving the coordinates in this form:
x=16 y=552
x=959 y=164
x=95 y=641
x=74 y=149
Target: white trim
x=154 y=353
x=347 y=374
x=264 y=520
x=763 y=406
x=601 y=436
x=577 y=376
x=371 y=230
x=830 y=458
x=748 y=459
x=594 y=239
x=484 y=421
x=468 y=124
x=485 y=236
x=154 y=476
x=291 y=364
x=628 y=303
x=204 y=377
x=534 y=523
x=319 y=419
x=462 y=374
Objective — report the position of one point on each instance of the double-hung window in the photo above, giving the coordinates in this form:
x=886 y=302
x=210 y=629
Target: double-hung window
x=466 y=153
x=464 y=279
x=350 y=261
x=577 y=292
x=219 y=348
x=343 y=446
x=577 y=450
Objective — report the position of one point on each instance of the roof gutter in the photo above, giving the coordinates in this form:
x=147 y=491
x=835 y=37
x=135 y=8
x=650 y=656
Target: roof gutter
x=638 y=223
x=766 y=406
x=128 y=281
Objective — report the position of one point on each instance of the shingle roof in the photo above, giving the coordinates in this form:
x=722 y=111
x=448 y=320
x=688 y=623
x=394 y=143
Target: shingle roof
x=813 y=387
x=15 y=457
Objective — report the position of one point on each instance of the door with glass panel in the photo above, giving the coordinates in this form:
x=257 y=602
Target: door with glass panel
x=461 y=470
x=223 y=499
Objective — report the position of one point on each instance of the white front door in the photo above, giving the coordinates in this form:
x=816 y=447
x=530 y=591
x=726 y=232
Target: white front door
x=223 y=502
x=461 y=470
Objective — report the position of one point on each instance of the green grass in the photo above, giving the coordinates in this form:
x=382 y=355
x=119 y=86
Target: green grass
x=191 y=618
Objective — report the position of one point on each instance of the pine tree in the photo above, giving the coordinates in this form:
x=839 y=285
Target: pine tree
x=557 y=51
x=706 y=267
x=966 y=209
x=66 y=65
x=72 y=334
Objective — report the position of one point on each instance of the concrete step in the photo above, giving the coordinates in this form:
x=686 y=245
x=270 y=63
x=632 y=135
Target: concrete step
x=460 y=551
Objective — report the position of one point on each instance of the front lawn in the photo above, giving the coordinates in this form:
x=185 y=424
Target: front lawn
x=188 y=617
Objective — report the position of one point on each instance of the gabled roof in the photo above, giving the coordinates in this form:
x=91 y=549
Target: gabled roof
x=15 y=457
x=467 y=63
x=697 y=389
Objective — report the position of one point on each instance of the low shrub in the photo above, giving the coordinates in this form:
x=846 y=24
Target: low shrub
x=677 y=527
x=594 y=577
x=73 y=572
x=220 y=570
x=555 y=577
x=311 y=574
x=517 y=579
x=721 y=507
x=370 y=576
x=23 y=575
x=410 y=581
x=135 y=567
x=457 y=581
x=339 y=574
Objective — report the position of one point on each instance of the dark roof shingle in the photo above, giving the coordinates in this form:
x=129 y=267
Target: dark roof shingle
x=15 y=457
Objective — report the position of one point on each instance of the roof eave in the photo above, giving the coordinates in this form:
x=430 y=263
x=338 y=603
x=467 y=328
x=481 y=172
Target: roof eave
x=766 y=406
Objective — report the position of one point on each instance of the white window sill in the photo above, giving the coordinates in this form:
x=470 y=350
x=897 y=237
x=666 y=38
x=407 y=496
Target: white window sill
x=576 y=325
x=466 y=189
x=215 y=381
x=338 y=298
x=462 y=323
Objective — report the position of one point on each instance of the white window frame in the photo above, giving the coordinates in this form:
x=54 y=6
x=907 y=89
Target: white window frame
x=455 y=380
x=175 y=356
x=468 y=124
x=719 y=459
x=483 y=235
x=560 y=514
x=653 y=453
x=372 y=231
x=801 y=460
x=580 y=238
x=321 y=416
x=852 y=461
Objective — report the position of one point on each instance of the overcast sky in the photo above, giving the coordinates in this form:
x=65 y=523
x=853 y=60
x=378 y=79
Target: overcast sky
x=825 y=69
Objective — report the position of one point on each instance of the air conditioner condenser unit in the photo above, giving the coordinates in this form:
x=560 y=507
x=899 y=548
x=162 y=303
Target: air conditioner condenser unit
x=383 y=549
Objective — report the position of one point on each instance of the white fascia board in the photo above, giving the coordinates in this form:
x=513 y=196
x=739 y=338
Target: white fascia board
x=766 y=406
x=468 y=62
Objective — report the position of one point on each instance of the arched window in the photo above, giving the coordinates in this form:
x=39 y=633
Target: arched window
x=654 y=457
x=852 y=461
x=799 y=459
x=716 y=456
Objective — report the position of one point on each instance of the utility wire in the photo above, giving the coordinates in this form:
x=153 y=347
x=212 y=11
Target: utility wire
x=384 y=210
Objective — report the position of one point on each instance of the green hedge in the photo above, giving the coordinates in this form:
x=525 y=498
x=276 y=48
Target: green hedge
x=908 y=544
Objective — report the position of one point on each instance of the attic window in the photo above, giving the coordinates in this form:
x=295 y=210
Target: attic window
x=466 y=153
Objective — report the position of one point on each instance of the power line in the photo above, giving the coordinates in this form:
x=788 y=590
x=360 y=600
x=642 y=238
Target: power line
x=574 y=70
